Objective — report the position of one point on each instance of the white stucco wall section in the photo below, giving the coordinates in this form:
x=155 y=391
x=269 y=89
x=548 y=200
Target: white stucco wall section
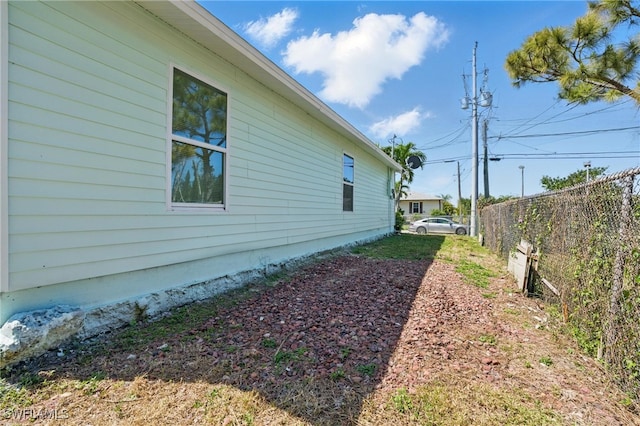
x=87 y=216
x=427 y=206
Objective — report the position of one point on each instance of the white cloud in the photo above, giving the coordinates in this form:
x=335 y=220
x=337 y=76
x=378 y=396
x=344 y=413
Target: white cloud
x=356 y=63
x=399 y=125
x=269 y=31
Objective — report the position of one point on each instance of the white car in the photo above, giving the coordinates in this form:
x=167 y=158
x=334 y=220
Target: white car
x=438 y=225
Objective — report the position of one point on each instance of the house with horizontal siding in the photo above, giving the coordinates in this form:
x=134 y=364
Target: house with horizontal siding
x=150 y=157
x=416 y=203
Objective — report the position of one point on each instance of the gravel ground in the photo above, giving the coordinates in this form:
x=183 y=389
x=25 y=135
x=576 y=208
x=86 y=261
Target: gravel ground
x=368 y=327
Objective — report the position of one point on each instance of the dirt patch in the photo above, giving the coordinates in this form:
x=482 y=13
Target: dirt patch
x=347 y=340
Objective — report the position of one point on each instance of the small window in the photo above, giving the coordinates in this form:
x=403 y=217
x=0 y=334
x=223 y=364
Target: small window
x=416 y=207
x=198 y=143
x=347 y=184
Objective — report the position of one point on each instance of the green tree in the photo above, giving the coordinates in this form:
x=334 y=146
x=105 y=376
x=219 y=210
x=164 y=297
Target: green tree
x=575 y=178
x=401 y=154
x=465 y=206
x=448 y=208
x=584 y=58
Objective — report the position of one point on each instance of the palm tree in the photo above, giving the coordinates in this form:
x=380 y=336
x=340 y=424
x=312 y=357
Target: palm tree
x=401 y=154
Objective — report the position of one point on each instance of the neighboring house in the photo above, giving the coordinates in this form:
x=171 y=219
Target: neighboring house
x=420 y=204
x=150 y=157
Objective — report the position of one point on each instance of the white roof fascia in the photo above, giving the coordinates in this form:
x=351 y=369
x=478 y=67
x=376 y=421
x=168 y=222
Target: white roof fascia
x=199 y=24
x=417 y=196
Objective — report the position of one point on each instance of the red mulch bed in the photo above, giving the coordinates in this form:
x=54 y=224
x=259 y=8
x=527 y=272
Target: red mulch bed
x=365 y=326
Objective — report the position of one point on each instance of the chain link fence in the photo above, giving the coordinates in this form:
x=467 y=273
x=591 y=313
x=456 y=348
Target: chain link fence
x=587 y=239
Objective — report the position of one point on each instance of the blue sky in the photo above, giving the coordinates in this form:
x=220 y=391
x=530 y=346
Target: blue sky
x=400 y=67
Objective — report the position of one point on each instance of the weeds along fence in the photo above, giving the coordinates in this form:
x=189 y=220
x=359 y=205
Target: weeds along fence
x=588 y=240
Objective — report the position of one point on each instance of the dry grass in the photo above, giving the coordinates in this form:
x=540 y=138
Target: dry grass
x=463 y=355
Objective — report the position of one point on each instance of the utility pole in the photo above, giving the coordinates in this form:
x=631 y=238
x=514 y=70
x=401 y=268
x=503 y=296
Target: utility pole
x=486 y=159
x=459 y=193
x=474 y=147
x=485 y=102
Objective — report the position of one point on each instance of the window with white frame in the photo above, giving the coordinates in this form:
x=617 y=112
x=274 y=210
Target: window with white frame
x=416 y=207
x=198 y=143
x=347 y=183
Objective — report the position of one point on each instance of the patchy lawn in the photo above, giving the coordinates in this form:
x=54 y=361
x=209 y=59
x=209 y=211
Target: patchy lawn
x=409 y=330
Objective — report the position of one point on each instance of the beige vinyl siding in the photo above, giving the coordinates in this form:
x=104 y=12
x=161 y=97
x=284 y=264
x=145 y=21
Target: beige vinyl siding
x=88 y=153
x=293 y=158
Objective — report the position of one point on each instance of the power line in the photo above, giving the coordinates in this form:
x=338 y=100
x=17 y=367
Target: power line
x=618 y=106
x=577 y=157
x=520 y=127
x=549 y=156
x=609 y=108
x=456 y=134
x=517 y=131
x=567 y=155
x=584 y=132
x=448 y=160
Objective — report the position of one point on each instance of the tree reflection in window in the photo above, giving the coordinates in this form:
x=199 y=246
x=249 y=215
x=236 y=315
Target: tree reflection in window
x=199 y=141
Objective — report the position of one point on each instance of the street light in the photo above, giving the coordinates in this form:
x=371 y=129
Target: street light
x=522 y=180
x=587 y=165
